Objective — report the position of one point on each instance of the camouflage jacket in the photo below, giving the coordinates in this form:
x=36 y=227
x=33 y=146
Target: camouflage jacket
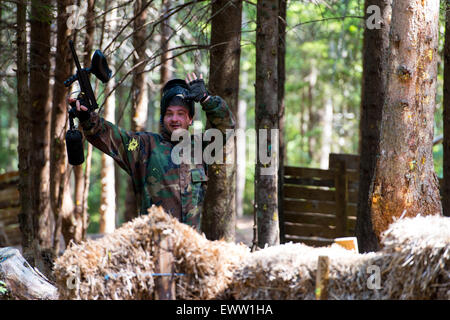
x=146 y=157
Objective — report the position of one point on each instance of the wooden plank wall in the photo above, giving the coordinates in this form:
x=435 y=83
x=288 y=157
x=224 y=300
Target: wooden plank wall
x=9 y=210
x=320 y=205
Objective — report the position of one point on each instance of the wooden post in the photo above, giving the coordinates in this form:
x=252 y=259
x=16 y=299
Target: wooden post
x=164 y=269
x=341 y=185
x=322 y=278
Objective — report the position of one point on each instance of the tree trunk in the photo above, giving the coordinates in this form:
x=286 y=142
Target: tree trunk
x=241 y=158
x=375 y=50
x=326 y=123
x=108 y=194
x=166 y=62
x=313 y=117
x=219 y=212
x=40 y=21
x=266 y=119
x=446 y=142
x=74 y=226
x=405 y=183
x=139 y=94
x=23 y=282
x=58 y=159
x=24 y=124
x=281 y=109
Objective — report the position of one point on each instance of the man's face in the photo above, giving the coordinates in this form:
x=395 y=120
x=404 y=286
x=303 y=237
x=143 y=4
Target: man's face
x=177 y=117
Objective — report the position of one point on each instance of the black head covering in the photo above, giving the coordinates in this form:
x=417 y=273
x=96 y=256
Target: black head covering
x=174 y=93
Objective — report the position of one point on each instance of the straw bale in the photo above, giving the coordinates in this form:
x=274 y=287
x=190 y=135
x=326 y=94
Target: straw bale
x=417 y=258
x=121 y=265
x=289 y=271
x=413 y=264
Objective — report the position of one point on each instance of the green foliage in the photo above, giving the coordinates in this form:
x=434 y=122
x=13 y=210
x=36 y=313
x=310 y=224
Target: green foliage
x=3 y=288
x=43 y=12
x=323 y=65
x=95 y=189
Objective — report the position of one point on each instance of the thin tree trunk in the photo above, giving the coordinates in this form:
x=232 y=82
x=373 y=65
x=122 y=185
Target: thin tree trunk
x=312 y=115
x=219 y=212
x=120 y=175
x=446 y=142
x=24 y=125
x=373 y=91
x=281 y=109
x=241 y=159
x=59 y=116
x=75 y=225
x=166 y=62
x=108 y=195
x=139 y=95
x=405 y=183
x=326 y=123
x=266 y=119
x=39 y=148
x=241 y=149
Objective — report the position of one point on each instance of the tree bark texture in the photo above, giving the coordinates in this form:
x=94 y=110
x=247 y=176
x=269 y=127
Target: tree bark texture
x=139 y=94
x=40 y=21
x=166 y=62
x=241 y=149
x=375 y=51
x=281 y=109
x=59 y=118
x=405 y=183
x=108 y=195
x=74 y=226
x=446 y=142
x=22 y=280
x=219 y=212
x=24 y=123
x=266 y=118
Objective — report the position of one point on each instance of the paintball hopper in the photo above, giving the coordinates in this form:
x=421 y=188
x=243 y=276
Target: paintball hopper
x=99 y=68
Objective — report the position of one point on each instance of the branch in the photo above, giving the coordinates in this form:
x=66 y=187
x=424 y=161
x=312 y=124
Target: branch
x=190 y=48
x=325 y=19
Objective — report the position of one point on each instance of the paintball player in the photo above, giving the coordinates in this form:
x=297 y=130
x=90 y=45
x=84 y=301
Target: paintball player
x=146 y=156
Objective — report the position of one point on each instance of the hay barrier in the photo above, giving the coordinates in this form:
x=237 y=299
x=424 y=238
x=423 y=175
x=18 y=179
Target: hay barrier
x=121 y=266
x=413 y=264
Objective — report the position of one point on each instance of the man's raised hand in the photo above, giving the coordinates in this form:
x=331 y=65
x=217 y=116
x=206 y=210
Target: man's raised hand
x=197 y=91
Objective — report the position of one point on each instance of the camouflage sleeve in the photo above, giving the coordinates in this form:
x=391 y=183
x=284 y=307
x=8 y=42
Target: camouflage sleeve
x=218 y=113
x=127 y=148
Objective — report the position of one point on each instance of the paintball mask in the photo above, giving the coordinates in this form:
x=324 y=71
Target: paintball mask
x=176 y=88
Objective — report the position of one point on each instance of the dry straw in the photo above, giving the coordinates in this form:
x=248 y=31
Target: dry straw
x=121 y=265
x=413 y=264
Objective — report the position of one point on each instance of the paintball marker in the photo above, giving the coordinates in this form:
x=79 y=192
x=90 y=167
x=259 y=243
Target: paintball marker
x=99 y=67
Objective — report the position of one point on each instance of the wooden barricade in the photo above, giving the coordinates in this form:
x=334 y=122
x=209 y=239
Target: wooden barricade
x=9 y=210
x=320 y=205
